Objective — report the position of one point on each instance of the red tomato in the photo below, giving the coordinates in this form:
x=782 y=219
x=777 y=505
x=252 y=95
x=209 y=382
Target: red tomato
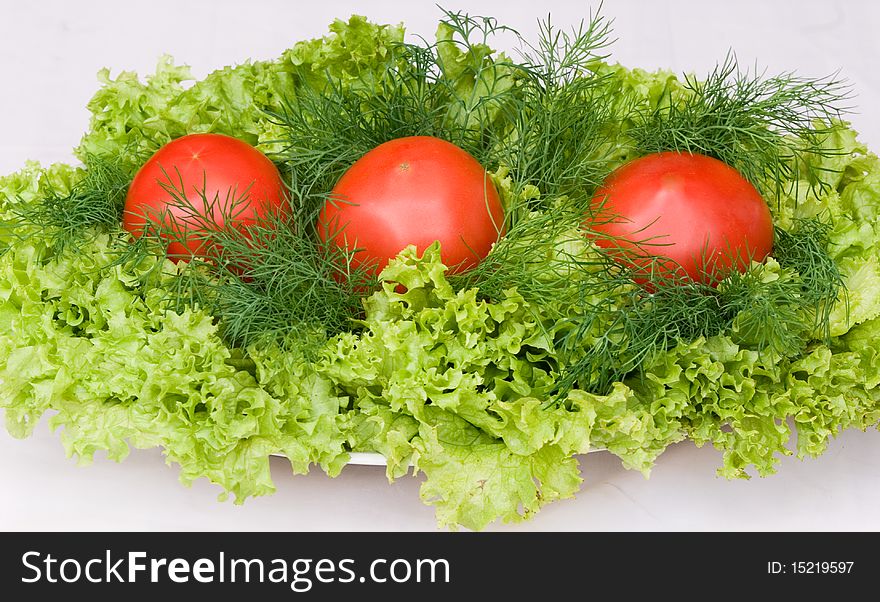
x=695 y=210
x=414 y=191
x=235 y=178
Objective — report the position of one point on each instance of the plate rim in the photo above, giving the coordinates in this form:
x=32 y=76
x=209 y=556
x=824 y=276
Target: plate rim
x=377 y=459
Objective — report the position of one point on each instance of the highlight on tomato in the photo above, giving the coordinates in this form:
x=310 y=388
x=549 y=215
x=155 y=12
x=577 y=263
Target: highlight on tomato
x=681 y=216
x=197 y=183
x=414 y=191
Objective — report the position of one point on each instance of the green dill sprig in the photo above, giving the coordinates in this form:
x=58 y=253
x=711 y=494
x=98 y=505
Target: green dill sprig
x=614 y=333
x=266 y=278
x=805 y=250
x=563 y=118
x=327 y=130
x=771 y=129
x=538 y=256
x=561 y=57
x=559 y=142
x=557 y=122
x=67 y=220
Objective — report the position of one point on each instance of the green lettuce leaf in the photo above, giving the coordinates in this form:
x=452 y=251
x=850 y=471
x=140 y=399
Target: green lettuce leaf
x=456 y=384
x=116 y=369
x=473 y=479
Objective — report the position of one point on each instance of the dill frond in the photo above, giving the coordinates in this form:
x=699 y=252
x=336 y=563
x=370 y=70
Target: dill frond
x=804 y=250
x=93 y=205
x=765 y=127
x=265 y=278
x=613 y=334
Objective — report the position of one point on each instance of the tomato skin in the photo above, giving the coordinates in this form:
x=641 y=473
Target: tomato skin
x=209 y=164
x=414 y=191
x=693 y=209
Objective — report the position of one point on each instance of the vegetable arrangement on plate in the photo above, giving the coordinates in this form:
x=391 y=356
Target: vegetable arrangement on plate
x=478 y=264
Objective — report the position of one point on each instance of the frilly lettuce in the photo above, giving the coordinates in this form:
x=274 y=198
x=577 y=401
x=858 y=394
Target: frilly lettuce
x=117 y=369
x=26 y=186
x=850 y=200
x=476 y=377
x=134 y=117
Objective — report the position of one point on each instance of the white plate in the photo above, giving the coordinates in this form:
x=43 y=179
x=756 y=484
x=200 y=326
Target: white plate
x=367 y=459
x=377 y=459
x=359 y=458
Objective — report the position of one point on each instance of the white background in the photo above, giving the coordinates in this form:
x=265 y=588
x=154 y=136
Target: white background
x=49 y=54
